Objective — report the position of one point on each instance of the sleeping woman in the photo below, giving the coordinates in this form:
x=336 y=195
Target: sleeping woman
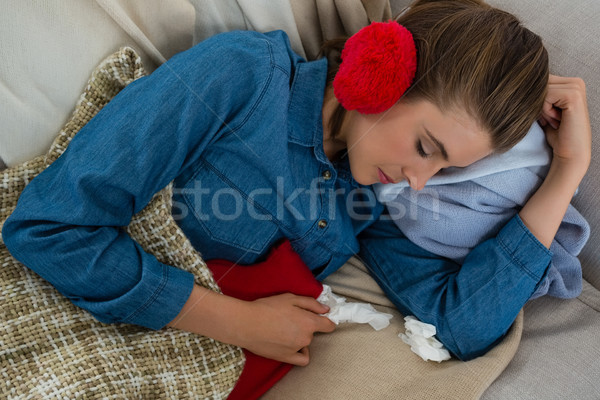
x=263 y=146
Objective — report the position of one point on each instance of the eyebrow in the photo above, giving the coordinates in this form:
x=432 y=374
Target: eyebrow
x=439 y=144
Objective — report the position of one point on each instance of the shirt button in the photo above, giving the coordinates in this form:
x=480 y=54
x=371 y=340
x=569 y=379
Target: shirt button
x=327 y=175
x=322 y=224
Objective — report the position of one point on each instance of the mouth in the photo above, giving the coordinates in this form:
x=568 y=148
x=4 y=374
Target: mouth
x=383 y=178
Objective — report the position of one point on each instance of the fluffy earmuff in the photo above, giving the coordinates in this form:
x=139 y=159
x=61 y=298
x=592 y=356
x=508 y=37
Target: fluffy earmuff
x=378 y=65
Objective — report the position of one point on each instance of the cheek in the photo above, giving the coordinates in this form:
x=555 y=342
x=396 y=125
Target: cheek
x=398 y=149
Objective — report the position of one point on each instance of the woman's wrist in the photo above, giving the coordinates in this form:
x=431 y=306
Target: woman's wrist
x=568 y=170
x=212 y=314
x=544 y=211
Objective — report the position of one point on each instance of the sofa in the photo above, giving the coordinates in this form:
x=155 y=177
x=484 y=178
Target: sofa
x=553 y=349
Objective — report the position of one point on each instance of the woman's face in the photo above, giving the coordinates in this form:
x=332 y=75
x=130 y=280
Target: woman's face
x=412 y=142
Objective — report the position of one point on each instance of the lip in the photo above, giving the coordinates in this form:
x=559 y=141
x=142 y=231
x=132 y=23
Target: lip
x=383 y=178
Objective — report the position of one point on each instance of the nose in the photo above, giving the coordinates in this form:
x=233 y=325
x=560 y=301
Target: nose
x=417 y=181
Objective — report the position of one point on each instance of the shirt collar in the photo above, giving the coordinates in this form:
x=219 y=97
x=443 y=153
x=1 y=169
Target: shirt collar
x=305 y=110
x=305 y=113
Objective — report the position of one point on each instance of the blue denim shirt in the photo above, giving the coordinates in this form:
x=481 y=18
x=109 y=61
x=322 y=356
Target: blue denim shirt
x=236 y=123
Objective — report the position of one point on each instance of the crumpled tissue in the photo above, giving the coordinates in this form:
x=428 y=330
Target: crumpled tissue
x=362 y=313
x=420 y=337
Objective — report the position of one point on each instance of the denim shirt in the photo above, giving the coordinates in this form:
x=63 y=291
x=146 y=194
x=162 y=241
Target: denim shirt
x=236 y=123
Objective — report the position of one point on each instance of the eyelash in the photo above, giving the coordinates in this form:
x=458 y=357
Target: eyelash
x=421 y=151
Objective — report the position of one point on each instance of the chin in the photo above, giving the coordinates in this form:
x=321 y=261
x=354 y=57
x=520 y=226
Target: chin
x=362 y=176
x=365 y=181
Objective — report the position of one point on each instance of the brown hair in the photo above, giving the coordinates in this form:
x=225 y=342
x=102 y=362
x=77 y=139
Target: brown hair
x=475 y=57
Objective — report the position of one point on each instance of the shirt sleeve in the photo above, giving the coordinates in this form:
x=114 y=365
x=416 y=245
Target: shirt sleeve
x=68 y=224
x=471 y=305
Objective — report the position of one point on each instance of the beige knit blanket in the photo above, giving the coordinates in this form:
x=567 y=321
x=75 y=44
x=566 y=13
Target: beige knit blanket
x=50 y=348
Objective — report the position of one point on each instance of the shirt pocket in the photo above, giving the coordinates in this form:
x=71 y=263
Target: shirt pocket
x=226 y=214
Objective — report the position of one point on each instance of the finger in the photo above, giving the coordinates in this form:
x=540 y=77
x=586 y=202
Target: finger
x=304 y=351
x=565 y=94
x=301 y=358
x=551 y=116
x=549 y=110
x=325 y=325
x=310 y=304
x=554 y=79
x=561 y=80
x=545 y=121
x=553 y=123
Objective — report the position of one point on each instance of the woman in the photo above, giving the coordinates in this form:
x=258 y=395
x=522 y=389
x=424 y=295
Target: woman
x=255 y=142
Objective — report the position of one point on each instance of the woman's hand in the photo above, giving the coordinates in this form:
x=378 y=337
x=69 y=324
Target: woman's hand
x=281 y=327
x=565 y=119
x=278 y=327
x=566 y=122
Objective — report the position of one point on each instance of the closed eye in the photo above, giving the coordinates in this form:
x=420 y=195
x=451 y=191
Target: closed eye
x=421 y=151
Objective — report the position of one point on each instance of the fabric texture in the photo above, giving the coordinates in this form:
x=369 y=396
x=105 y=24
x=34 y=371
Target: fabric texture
x=52 y=348
x=461 y=207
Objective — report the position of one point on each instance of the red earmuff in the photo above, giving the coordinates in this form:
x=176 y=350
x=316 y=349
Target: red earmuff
x=378 y=65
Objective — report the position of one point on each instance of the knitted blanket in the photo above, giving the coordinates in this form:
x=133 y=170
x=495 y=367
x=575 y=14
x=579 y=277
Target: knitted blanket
x=49 y=348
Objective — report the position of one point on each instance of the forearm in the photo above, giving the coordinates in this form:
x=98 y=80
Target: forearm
x=544 y=211
x=566 y=119
x=212 y=314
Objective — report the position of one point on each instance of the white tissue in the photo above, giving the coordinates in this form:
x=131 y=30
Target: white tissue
x=362 y=313
x=420 y=337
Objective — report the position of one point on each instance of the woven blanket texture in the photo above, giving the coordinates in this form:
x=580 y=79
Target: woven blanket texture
x=50 y=348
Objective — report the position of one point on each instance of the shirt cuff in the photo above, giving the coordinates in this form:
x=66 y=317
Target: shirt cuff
x=524 y=248
x=173 y=287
